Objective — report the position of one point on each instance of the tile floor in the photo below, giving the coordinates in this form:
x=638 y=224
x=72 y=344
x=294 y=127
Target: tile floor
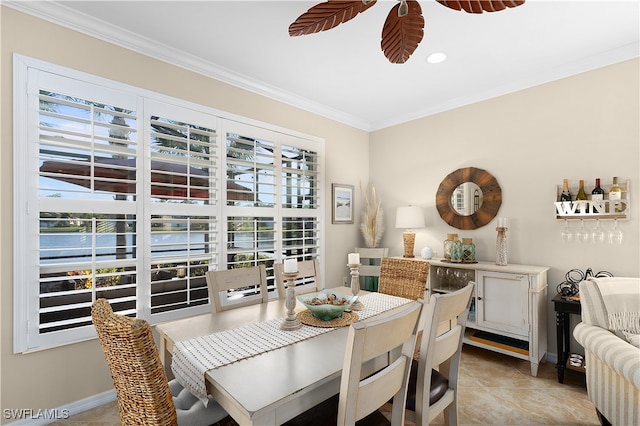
x=495 y=389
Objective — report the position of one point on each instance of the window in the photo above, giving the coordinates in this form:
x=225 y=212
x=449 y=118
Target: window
x=117 y=194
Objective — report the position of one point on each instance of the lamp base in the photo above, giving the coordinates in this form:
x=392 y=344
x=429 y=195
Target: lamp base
x=409 y=238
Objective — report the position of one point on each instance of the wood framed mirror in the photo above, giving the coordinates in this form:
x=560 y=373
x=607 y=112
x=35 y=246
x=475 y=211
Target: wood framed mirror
x=468 y=198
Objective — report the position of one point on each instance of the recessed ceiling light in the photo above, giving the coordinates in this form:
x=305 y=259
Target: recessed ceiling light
x=436 y=58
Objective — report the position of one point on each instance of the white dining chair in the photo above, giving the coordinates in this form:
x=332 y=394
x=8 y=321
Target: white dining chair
x=363 y=392
x=433 y=385
x=233 y=288
x=370 y=260
x=308 y=280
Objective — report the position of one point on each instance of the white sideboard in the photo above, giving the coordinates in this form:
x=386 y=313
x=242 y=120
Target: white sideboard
x=508 y=311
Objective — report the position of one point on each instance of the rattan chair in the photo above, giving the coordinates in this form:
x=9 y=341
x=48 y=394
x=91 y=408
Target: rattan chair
x=403 y=277
x=308 y=279
x=433 y=383
x=220 y=282
x=144 y=396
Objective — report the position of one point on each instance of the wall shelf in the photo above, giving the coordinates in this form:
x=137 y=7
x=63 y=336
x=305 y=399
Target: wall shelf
x=589 y=209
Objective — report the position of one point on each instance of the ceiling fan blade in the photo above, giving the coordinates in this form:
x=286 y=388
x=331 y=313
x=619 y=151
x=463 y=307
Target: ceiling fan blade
x=327 y=15
x=479 y=6
x=401 y=35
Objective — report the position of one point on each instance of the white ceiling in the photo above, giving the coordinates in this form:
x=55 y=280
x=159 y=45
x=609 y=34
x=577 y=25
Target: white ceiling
x=342 y=73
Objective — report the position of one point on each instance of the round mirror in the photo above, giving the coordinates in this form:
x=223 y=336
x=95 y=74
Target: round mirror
x=468 y=198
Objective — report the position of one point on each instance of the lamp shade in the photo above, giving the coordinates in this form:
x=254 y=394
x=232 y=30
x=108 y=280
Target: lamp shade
x=409 y=217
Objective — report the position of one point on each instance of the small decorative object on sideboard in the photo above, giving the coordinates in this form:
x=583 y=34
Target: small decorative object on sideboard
x=501 y=242
x=426 y=253
x=456 y=251
x=448 y=245
x=468 y=251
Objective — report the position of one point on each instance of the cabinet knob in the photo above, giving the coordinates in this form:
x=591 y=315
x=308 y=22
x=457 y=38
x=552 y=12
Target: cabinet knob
x=479 y=298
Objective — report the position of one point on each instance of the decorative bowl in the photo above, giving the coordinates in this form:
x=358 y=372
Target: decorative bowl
x=318 y=304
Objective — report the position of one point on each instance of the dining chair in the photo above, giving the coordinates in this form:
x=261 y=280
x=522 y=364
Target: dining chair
x=144 y=395
x=370 y=259
x=308 y=280
x=433 y=383
x=362 y=391
x=403 y=277
x=249 y=287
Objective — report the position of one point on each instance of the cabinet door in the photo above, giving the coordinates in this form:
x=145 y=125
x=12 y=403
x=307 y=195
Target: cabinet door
x=503 y=302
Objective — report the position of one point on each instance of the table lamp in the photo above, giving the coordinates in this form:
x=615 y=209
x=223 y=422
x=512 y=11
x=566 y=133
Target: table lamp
x=408 y=218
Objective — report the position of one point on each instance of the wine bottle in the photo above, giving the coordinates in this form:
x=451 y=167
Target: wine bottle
x=565 y=195
x=597 y=195
x=581 y=198
x=615 y=194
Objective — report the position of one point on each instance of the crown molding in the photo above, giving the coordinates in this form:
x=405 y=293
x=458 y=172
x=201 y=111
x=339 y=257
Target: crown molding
x=85 y=24
x=569 y=69
x=74 y=20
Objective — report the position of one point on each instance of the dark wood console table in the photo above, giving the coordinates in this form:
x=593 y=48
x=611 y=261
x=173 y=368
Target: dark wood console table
x=563 y=310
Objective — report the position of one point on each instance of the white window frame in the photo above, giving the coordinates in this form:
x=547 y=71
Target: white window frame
x=26 y=207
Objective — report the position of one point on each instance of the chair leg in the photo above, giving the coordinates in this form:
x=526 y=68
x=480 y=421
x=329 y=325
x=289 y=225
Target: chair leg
x=451 y=414
x=603 y=420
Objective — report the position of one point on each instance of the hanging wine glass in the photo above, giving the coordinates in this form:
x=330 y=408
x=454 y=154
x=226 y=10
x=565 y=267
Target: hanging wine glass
x=581 y=234
x=615 y=235
x=598 y=234
x=567 y=234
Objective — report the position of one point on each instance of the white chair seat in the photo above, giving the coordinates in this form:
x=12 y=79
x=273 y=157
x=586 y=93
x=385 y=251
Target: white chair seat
x=191 y=411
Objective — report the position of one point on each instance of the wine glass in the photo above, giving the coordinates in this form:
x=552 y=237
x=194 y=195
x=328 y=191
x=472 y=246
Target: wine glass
x=598 y=234
x=581 y=234
x=615 y=235
x=567 y=234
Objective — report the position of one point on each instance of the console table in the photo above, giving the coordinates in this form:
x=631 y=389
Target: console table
x=508 y=312
x=564 y=308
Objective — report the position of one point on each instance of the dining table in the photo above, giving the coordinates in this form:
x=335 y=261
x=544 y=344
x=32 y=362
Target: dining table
x=275 y=385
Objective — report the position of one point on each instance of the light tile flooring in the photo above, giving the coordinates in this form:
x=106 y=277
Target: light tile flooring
x=495 y=389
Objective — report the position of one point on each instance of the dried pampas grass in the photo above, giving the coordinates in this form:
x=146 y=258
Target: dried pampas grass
x=372 y=225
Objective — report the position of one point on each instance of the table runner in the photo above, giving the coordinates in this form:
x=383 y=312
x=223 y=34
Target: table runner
x=192 y=358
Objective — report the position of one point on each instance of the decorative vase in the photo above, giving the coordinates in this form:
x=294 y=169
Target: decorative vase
x=448 y=245
x=468 y=250
x=456 y=251
x=501 y=247
x=426 y=253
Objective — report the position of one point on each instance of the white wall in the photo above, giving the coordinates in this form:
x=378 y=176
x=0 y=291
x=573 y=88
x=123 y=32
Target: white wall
x=582 y=127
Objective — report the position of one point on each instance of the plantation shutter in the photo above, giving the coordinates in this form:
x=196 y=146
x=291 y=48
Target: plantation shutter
x=87 y=220
x=184 y=210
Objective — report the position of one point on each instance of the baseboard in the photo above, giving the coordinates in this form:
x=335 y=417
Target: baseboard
x=44 y=417
x=553 y=358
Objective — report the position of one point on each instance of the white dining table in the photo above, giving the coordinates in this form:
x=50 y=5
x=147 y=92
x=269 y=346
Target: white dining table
x=275 y=386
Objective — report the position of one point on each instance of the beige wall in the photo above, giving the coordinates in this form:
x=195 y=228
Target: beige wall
x=529 y=140
x=59 y=376
x=582 y=127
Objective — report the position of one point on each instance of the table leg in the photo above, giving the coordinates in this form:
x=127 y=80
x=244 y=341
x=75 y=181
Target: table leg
x=560 y=320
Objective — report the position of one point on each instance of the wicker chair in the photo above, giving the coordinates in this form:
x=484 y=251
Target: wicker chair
x=403 y=277
x=144 y=396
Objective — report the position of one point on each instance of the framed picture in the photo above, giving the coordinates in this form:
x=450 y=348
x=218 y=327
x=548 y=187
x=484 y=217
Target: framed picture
x=342 y=209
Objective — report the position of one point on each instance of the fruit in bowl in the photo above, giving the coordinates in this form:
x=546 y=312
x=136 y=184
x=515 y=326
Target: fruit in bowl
x=326 y=304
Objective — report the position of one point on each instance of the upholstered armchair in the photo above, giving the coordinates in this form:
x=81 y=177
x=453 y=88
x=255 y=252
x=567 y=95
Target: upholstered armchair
x=609 y=333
